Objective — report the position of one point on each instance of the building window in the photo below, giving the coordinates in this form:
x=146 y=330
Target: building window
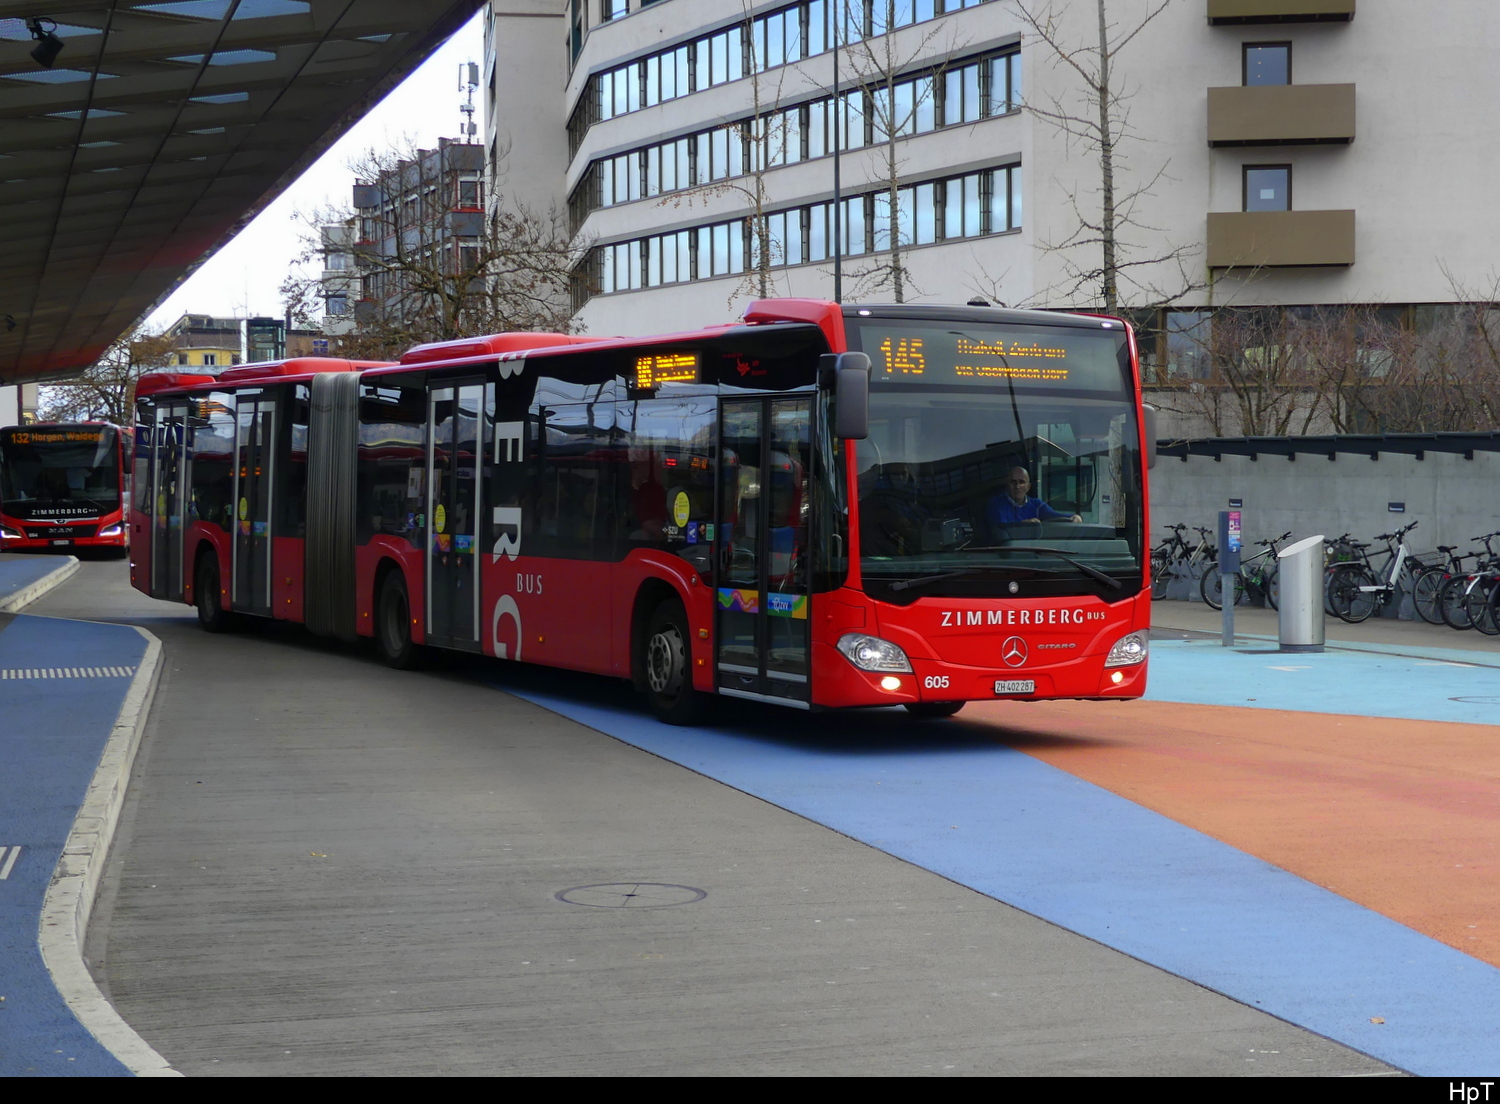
x=1268 y=63
x=1268 y=187
x=612 y=9
x=210 y=360
x=337 y=305
x=973 y=205
x=976 y=88
x=182 y=359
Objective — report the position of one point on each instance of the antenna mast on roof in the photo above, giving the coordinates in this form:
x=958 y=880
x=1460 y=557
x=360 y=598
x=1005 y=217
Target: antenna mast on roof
x=468 y=84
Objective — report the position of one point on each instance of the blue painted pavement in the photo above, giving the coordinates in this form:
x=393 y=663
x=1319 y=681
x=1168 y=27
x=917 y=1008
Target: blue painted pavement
x=52 y=733
x=18 y=572
x=949 y=798
x=1438 y=686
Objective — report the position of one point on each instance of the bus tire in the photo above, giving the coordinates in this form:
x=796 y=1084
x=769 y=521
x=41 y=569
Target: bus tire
x=667 y=658
x=933 y=710
x=206 y=597
x=393 y=625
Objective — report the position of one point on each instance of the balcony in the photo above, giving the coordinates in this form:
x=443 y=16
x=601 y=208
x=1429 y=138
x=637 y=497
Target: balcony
x=1281 y=115
x=1280 y=239
x=1236 y=12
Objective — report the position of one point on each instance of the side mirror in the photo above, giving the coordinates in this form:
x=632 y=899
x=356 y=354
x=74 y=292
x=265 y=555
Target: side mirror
x=848 y=374
x=1149 y=428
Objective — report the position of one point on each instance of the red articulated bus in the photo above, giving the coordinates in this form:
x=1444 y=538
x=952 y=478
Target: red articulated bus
x=822 y=506
x=64 y=486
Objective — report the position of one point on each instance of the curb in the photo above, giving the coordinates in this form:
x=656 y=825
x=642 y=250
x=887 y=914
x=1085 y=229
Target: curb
x=75 y=883
x=32 y=591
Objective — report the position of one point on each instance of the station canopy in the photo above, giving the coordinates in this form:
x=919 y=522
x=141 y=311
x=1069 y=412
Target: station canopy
x=159 y=130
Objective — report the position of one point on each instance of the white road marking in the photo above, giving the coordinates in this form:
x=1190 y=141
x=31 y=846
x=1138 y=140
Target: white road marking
x=65 y=672
x=8 y=856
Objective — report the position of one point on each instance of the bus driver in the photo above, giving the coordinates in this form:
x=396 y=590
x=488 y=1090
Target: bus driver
x=1016 y=505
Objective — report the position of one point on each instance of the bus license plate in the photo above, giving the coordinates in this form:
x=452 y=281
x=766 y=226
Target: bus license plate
x=1015 y=686
x=64 y=543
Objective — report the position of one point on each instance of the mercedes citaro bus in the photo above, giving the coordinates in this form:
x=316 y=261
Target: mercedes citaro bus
x=820 y=506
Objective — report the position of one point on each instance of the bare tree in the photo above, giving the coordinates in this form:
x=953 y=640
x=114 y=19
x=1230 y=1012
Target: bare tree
x=433 y=267
x=105 y=391
x=1109 y=244
x=894 y=108
x=762 y=140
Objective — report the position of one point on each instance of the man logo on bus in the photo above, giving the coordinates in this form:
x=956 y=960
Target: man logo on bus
x=1013 y=651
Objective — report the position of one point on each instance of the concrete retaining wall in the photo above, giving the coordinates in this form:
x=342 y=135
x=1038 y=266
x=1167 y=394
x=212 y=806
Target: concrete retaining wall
x=1453 y=498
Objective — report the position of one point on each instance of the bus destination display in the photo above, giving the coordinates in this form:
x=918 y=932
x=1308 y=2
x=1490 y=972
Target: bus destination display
x=655 y=369
x=54 y=436
x=1055 y=357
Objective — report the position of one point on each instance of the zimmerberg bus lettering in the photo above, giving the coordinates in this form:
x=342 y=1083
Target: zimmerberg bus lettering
x=961 y=618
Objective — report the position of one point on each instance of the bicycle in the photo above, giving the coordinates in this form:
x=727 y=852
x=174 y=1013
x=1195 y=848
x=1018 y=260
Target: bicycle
x=1258 y=574
x=1177 y=551
x=1355 y=591
x=1429 y=583
x=1457 y=599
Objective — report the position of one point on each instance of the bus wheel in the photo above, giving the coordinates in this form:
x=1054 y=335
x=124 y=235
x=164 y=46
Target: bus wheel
x=211 y=612
x=669 y=680
x=393 y=624
x=930 y=710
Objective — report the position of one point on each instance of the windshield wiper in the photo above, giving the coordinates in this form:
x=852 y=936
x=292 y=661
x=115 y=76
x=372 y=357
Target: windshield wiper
x=907 y=584
x=1087 y=569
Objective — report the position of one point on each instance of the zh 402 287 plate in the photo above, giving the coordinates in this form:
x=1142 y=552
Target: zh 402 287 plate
x=1015 y=686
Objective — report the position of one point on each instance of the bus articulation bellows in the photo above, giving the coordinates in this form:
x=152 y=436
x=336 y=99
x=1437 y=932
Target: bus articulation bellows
x=816 y=507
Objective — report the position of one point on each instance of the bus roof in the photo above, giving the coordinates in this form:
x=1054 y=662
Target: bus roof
x=825 y=314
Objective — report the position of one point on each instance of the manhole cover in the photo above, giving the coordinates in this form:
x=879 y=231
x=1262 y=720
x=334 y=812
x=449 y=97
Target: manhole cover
x=631 y=895
x=1480 y=700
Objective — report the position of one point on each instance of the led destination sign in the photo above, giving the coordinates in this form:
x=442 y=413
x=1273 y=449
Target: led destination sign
x=53 y=436
x=656 y=369
x=934 y=353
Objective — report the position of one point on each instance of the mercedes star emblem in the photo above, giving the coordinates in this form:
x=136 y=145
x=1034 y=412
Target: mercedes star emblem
x=1015 y=588
x=1013 y=651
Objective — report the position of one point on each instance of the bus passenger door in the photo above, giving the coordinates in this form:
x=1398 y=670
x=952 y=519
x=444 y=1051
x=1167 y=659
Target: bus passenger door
x=169 y=494
x=454 y=413
x=761 y=602
x=254 y=476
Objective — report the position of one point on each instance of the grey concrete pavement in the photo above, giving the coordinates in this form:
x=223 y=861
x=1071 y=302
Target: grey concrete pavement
x=325 y=867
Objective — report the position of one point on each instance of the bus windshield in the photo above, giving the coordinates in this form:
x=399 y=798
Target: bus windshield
x=59 y=470
x=1001 y=460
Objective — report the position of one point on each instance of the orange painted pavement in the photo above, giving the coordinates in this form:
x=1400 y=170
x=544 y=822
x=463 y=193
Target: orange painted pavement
x=1400 y=816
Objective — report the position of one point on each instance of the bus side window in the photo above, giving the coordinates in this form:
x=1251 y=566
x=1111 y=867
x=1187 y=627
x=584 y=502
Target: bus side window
x=572 y=456
x=213 y=460
x=392 y=457
x=669 y=493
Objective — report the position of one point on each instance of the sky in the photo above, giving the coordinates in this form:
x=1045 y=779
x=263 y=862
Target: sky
x=241 y=279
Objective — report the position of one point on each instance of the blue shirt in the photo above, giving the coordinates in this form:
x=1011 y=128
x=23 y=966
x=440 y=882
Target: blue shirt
x=1003 y=510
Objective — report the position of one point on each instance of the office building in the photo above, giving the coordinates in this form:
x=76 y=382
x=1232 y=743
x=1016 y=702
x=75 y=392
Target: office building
x=1268 y=153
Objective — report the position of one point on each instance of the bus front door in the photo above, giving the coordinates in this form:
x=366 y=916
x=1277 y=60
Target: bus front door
x=254 y=478
x=761 y=603
x=454 y=431
x=169 y=494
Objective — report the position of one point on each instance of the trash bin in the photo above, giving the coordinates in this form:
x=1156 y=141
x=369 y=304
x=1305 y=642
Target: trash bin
x=1300 y=574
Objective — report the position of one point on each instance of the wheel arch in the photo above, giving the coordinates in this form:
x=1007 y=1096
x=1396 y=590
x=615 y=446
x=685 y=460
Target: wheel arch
x=651 y=593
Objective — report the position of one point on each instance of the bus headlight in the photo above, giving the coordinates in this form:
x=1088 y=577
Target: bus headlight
x=870 y=653
x=7 y=533
x=111 y=530
x=1129 y=650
